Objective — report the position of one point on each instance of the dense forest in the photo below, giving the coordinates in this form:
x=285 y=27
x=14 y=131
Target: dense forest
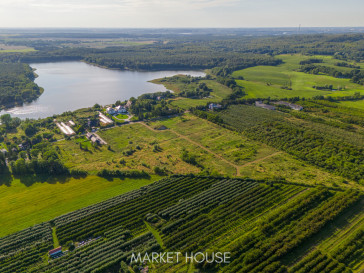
x=16 y=84
x=196 y=52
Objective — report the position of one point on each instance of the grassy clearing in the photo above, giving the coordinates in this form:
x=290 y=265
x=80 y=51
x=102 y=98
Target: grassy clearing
x=22 y=206
x=55 y=238
x=121 y=116
x=25 y=50
x=155 y=233
x=218 y=93
x=266 y=81
x=230 y=145
x=283 y=165
x=12 y=48
x=135 y=146
x=354 y=104
x=255 y=159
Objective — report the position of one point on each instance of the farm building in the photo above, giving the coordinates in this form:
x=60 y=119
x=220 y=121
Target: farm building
x=65 y=129
x=105 y=119
x=213 y=106
x=55 y=252
x=290 y=105
x=95 y=138
x=265 y=106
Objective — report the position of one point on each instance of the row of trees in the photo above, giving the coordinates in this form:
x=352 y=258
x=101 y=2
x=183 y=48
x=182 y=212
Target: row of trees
x=356 y=75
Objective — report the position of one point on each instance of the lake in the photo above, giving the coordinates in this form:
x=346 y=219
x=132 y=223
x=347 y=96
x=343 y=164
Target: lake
x=73 y=85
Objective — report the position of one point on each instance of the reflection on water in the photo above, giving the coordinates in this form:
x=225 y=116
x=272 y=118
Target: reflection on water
x=72 y=85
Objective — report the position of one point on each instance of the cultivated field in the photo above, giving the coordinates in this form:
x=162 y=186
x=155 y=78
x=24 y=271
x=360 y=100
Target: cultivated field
x=294 y=226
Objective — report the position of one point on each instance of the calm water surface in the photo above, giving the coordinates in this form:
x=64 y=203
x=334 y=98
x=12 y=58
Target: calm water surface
x=72 y=85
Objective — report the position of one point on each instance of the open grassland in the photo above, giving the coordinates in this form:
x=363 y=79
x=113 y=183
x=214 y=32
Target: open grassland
x=266 y=81
x=143 y=147
x=230 y=145
x=218 y=92
x=251 y=158
x=137 y=146
x=103 y=43
x=217 y=150
x=282 y=165
x=22 y=206
x=354 y=104
x=12 y=48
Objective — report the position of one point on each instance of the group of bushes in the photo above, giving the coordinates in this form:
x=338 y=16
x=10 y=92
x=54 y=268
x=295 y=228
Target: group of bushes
x=123 y=174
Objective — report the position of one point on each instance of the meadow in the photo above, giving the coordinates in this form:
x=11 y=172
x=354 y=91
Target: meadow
x=218 y=92
x=354 y=104
x=266 y=81
x=138 y=147
x=251 y=158
x=217 y=150
x=25 y=204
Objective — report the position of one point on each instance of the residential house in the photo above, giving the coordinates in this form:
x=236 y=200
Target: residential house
x=120 y=109
x=110 y=110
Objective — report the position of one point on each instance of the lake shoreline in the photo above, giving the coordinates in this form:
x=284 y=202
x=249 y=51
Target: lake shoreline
x=71 y=85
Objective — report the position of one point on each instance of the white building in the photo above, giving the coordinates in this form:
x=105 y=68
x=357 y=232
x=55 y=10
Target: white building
x=212 y=106
x=110 y=110
x=120 y=109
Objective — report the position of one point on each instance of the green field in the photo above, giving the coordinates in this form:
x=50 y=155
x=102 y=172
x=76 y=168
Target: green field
x=139 y=147
x=315 y=141
x=14 y=49
x=266 y=81
x=218 y=93
x=217 y=150
x=293 y=225
x=354 y=104
x=23 y=206
x=251 y=158
x=121 y=116
x=17 y=50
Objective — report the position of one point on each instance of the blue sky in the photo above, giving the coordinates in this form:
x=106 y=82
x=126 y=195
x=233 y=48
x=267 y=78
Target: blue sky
x=181 y=13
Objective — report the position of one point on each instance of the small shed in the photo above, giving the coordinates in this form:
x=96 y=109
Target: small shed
x=55 y=251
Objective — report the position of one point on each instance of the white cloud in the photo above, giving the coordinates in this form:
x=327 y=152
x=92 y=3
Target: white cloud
x=179 y=13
